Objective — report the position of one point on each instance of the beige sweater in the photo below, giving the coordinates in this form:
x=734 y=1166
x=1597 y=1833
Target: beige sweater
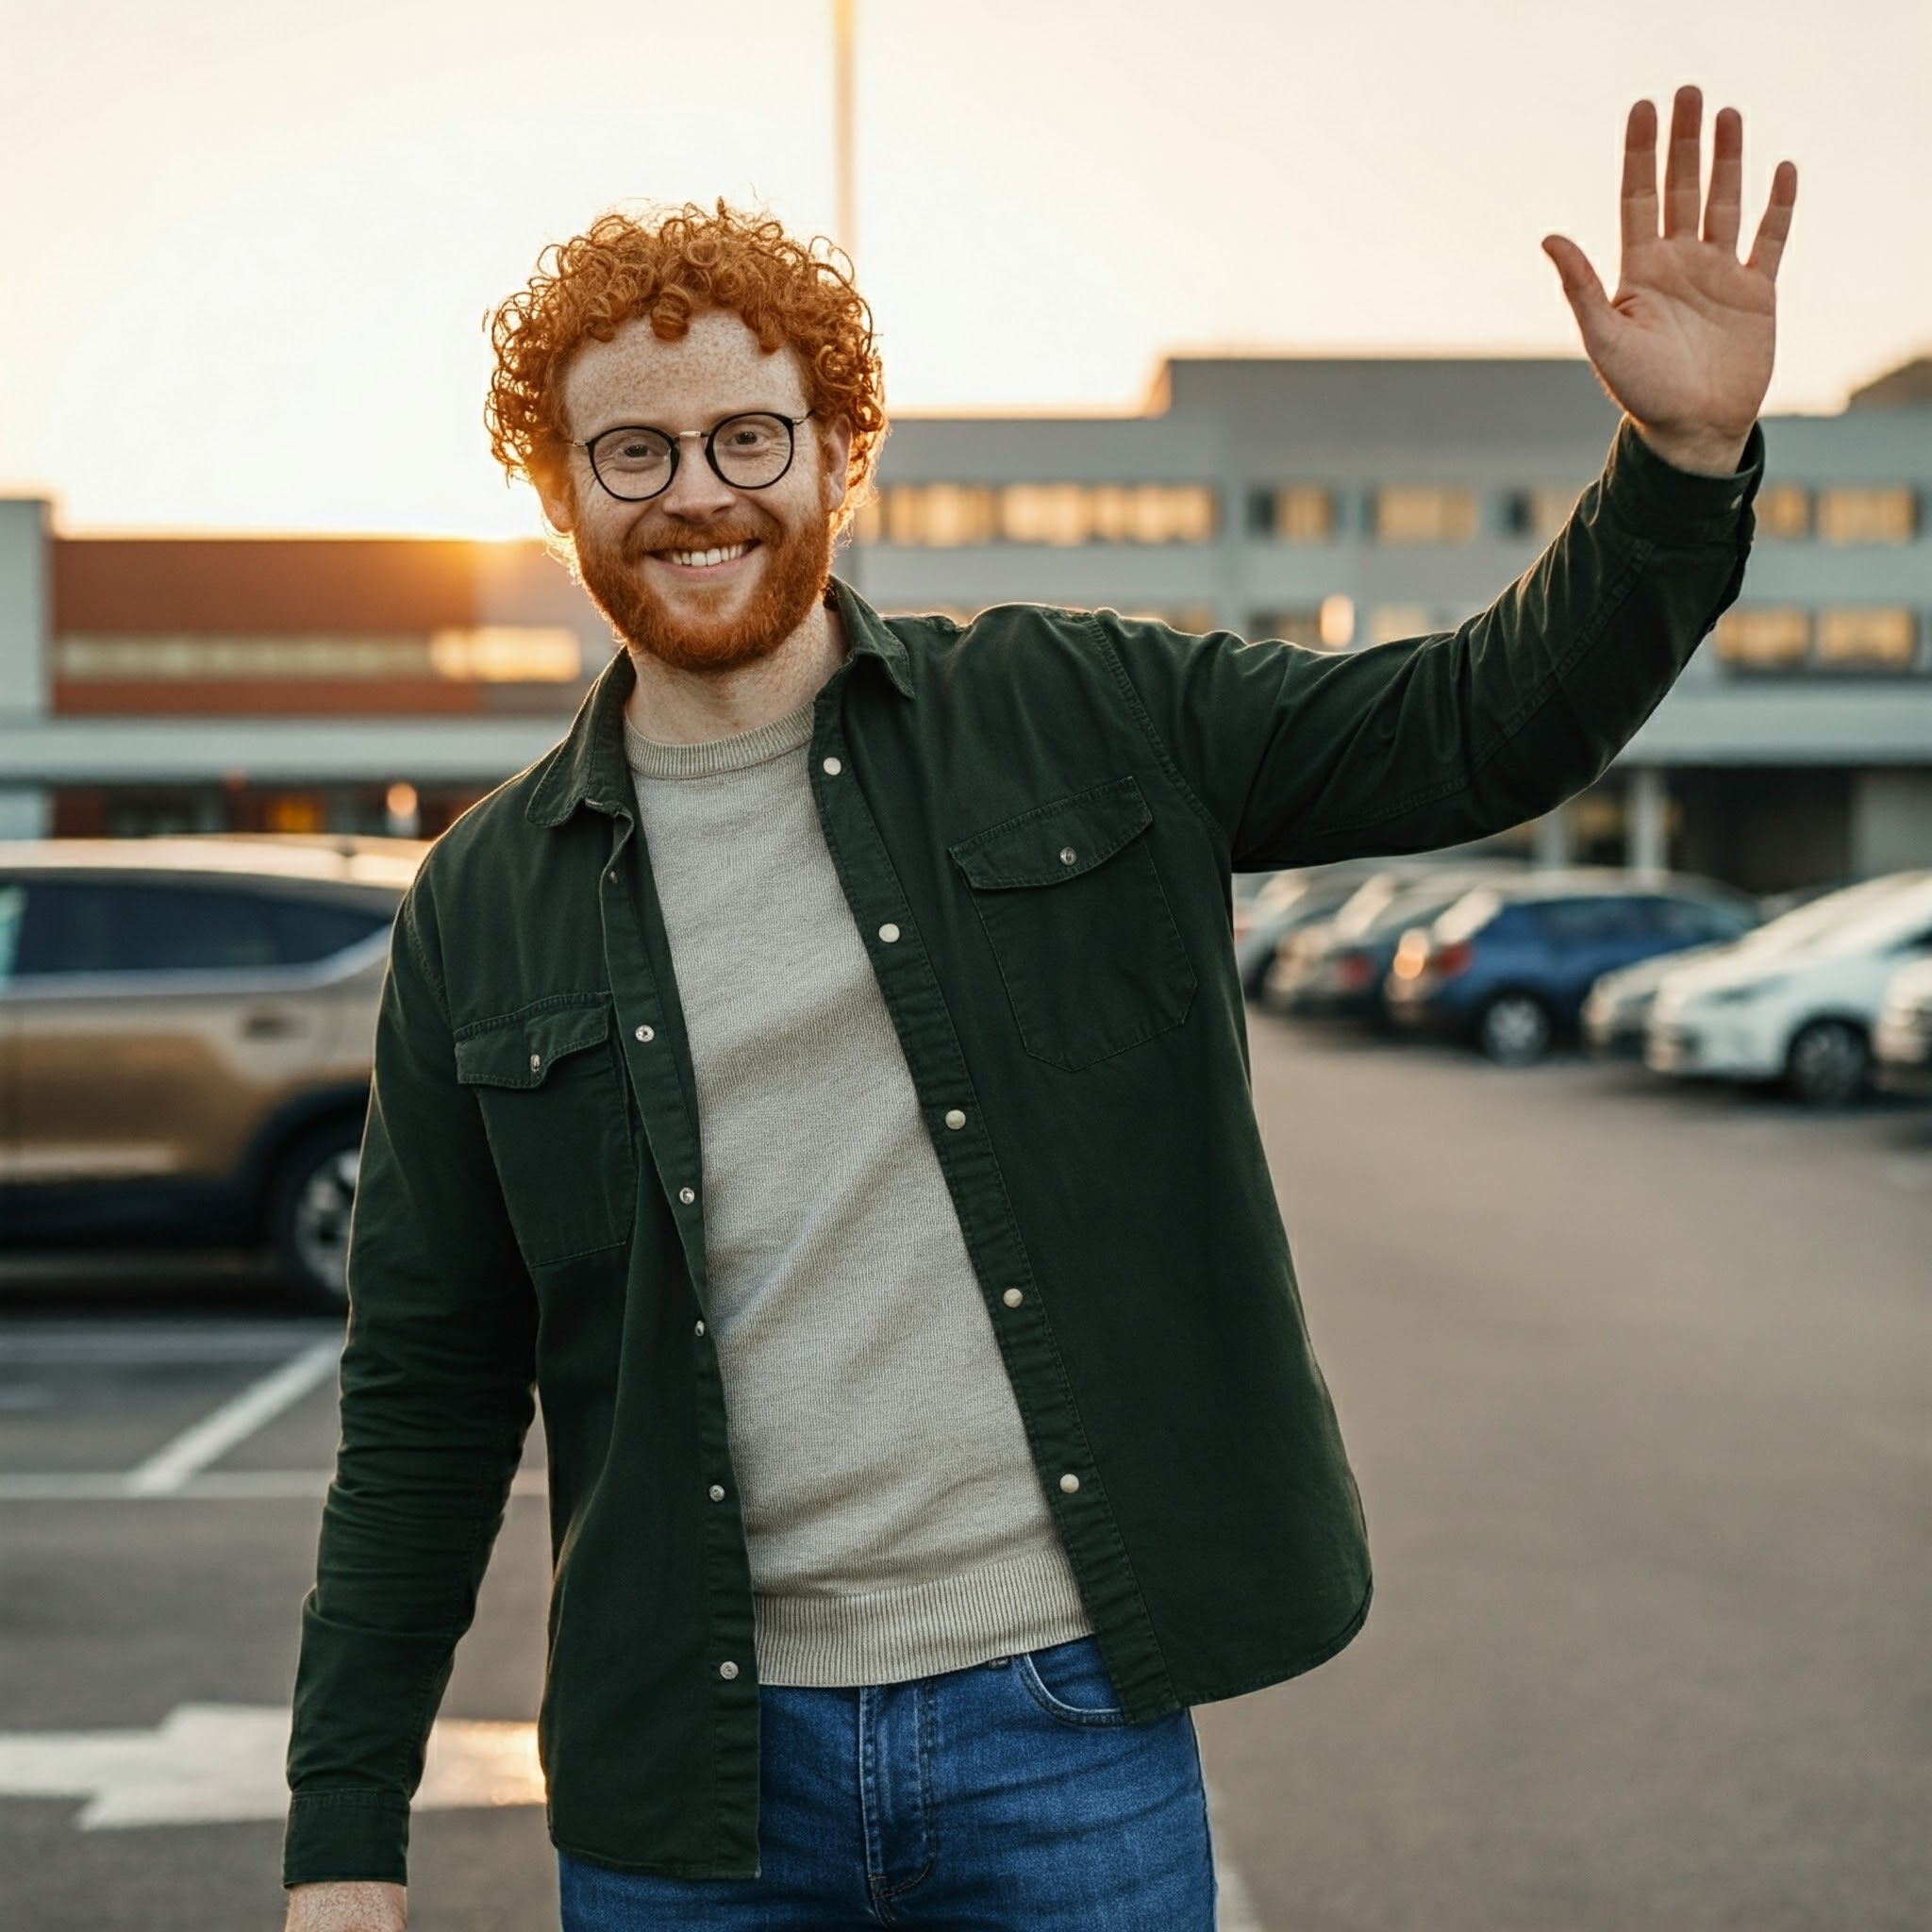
x=895 y=1522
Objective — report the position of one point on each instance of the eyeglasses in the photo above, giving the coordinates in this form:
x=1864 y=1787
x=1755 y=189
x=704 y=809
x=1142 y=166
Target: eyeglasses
x=750 y=452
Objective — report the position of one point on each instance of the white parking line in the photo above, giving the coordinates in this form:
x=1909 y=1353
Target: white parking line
x=168 y=1469
x=212 y=1486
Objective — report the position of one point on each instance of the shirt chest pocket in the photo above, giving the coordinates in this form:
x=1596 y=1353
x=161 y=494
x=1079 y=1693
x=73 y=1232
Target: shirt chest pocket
x=1077 y=920
x=548 y=1083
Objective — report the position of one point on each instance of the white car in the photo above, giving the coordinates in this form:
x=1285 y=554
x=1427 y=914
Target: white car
x=1801 y=1012
x=1903 y=1038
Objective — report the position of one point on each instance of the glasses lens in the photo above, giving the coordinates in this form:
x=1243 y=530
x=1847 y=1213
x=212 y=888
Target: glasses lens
x=632 y=463
x=752 y=451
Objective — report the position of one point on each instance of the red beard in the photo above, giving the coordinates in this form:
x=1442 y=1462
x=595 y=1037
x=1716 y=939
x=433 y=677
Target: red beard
x=797 y=566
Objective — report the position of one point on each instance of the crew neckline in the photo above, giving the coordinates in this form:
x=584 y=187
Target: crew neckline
x=649 y=758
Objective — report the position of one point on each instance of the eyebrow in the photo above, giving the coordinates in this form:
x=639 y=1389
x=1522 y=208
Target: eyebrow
x=641 y=422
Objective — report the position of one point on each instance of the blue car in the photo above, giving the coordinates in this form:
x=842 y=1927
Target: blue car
x=1509 y=968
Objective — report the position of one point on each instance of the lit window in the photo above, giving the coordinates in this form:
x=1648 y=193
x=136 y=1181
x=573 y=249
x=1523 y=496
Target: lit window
x=869 y=521
x=1883 y=636
x=507 y=654
x=1390 y=622
x=1783 y=510
x=1043 y=513
x=1416 y=513
x=1295 y=513
x=1549 y=511
x=1291 y=626
x=1883 y=515
x=1764 y=639
x=941 y=516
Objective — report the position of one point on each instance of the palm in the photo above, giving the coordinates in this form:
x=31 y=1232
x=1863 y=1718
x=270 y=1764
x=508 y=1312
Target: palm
x=1686 y=344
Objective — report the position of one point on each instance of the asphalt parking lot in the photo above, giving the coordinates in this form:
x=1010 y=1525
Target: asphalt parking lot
x=1636 y=1380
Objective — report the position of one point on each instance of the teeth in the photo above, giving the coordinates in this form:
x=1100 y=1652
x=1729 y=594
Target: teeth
x=704 y=559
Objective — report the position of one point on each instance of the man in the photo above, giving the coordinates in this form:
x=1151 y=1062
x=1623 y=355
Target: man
x=836 y=1037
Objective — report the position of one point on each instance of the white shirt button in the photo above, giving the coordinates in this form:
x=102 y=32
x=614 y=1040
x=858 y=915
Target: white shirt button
x=833 y=768
x=686 y=1195
x=535 y=1062
x=716 y=1492
x=647 y=1033
x=728 y=1668
x=889 y=933
x=1069 y=1482
x=1067 y=855
x=609 y=878
x=1012 y=1297
x=956 y=1119
x=699 y=1330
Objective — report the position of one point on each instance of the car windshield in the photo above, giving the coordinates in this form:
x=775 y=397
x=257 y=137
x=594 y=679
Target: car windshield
x=1829 y=920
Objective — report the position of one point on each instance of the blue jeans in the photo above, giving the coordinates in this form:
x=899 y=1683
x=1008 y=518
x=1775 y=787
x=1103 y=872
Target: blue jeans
x=1011 y=1796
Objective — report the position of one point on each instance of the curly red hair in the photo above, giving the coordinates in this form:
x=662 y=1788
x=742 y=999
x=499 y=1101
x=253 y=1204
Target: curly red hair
x=665 y=269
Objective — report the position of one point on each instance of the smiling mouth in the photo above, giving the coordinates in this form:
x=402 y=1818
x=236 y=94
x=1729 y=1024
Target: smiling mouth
x=714 y=559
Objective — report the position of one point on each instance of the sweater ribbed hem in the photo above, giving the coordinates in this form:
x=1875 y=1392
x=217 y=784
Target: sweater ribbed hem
x=648 y=758
x=890 y=1636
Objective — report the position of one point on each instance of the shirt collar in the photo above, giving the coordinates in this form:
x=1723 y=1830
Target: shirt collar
x=588 y=768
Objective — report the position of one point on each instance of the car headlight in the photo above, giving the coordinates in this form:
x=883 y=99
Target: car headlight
x=1736 y=995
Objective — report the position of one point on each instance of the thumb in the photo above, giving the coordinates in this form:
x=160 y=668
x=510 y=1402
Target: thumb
x=1585 y=293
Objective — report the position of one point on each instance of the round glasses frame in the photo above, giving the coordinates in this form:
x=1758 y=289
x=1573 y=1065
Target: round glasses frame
x=709 y=437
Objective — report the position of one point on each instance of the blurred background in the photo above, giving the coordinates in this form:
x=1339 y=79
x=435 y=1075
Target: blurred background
x=1605 y=1147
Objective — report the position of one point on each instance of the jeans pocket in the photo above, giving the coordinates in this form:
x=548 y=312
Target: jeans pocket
x=1070 y=1682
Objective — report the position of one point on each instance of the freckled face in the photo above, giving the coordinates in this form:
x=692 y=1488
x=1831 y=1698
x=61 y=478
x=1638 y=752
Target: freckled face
x=704 y=575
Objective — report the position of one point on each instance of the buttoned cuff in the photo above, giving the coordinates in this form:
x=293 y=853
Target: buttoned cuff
x=1656 y=500
x=340 y=1836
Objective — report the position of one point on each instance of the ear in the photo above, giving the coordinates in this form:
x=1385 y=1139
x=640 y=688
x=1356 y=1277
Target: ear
x=834 y=451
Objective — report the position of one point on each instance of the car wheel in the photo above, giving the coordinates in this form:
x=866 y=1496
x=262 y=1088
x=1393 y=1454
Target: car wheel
x=1515 y=1029
x=1830 y=1063
x=309 y=1215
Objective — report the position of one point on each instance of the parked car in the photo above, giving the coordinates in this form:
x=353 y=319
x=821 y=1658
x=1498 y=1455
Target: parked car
x=1801 y=1013
x=1286 y=902
x=1336 y=967
x=1902 y=1040
x=1509 y=971
x=186 y=1029
x=1616 y=1013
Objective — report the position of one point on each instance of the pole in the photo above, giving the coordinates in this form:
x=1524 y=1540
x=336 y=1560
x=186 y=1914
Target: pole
x=844 y=173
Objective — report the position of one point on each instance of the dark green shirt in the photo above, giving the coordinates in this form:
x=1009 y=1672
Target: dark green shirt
x=1048 y=805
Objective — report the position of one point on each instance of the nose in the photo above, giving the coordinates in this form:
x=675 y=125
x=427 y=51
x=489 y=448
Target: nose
x=696 y=492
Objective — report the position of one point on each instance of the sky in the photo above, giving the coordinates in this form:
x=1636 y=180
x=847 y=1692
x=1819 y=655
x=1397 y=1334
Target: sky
x=249 y=246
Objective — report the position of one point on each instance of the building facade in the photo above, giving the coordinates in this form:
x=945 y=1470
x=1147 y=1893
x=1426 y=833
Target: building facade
x=364 y=685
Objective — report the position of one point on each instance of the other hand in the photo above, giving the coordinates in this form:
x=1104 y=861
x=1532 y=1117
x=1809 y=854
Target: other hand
x=1686 y=344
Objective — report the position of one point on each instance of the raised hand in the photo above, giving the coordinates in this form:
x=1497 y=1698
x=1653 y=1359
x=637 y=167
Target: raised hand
x=1686 y=344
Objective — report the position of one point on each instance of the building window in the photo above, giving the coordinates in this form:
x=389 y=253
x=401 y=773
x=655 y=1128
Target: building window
x=1876 y=637
x=1868 y=515
x=1418 y=513
x=943 y=515
x=1764 y=639
x=1390 y=622
x=1294 y=513
x=1783 y=510
x=497 y=654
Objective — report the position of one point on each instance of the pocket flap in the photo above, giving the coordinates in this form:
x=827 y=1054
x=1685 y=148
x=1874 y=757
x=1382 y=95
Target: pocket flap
x=520 y=1050
x=1055 y=842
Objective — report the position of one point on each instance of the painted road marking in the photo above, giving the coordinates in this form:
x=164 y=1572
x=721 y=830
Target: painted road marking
x=218 y=1763
x=223 y=1763
x=214 y=1486
x=234 y=1422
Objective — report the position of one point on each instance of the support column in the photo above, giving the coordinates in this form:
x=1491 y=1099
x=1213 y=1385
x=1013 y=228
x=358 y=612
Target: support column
x=1553 y=839
x=24 y=808
x=1644 y=838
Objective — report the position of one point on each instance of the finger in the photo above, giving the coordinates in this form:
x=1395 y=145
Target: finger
x=1640 y=176
x=1768 y=249
x=1585 y=293
x=1680 y=165
x=1724 y=211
